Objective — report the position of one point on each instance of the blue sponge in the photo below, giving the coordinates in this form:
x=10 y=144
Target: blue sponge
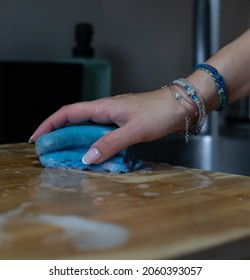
x=64 y=148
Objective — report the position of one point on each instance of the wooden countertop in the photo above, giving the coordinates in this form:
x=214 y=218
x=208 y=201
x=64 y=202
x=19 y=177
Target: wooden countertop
x=159 y=212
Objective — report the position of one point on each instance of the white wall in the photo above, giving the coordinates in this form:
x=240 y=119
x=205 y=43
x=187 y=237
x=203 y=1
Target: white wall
x=149 y=42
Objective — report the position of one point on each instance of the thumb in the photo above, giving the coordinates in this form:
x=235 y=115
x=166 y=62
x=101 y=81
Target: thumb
x=109 y=145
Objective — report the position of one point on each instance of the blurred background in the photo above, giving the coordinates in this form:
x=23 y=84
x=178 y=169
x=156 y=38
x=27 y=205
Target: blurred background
x=148 y=43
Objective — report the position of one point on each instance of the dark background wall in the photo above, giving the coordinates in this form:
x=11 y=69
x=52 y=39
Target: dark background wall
x=149 y=42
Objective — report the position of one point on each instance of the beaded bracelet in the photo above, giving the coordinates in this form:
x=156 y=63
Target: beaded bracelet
x=178 y=97
x=220 y=83
x=193 y=93
x=189 y=100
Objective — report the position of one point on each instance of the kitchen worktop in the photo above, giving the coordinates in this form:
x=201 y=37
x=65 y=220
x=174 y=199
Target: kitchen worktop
x=158 y=212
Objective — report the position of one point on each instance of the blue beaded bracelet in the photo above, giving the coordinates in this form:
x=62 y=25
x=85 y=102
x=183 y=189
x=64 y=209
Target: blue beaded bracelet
x=221 y=86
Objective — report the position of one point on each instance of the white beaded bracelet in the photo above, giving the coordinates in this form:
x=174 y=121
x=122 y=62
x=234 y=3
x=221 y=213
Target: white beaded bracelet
x=178 y=97
x=193 y=93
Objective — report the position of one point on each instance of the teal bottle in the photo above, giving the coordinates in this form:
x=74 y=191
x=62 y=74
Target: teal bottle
x=96 y=72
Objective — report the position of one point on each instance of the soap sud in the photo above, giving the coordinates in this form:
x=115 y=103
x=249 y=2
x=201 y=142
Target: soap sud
x=81 y=233
x=122 y=195
x=5 y=217
x=150 y=194
x=99 y=199
x=202 y=185
x=145 y=170
x=87 y=234
x=143 y=186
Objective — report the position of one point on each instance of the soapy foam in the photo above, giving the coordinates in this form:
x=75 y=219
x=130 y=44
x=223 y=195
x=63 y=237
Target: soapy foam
x=82 y=233
x=87 y=234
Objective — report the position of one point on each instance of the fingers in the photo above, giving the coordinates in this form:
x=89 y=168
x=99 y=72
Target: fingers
x=73 y=114
x=110 y=144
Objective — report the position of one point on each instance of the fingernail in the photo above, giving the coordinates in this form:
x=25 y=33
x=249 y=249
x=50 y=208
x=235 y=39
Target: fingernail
x=91 y=156
x=31 y=140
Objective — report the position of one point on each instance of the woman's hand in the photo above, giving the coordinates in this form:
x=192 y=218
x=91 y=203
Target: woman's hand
x=140 y=117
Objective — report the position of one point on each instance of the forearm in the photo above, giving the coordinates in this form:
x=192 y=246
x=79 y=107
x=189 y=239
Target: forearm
x=233 y=63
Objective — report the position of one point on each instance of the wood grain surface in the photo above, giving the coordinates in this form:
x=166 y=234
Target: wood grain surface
x=158 y=212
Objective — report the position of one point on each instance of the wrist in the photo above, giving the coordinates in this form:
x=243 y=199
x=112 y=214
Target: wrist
x=185 y=111
x=207 y=88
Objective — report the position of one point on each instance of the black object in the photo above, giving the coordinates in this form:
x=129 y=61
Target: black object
x=83 y=35
x=31 y=91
